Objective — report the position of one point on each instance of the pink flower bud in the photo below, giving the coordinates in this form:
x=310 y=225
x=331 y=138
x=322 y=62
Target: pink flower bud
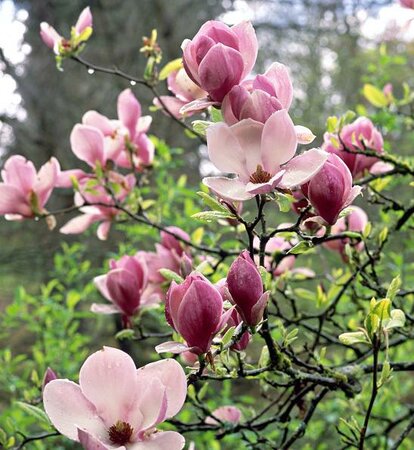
x=246 y=288
x=195 y=310
x=357 y=137
x=50 y=36
x=48 y=376
x=219 y=57
x=125 y=286
x=330 y=190
x=84 y=21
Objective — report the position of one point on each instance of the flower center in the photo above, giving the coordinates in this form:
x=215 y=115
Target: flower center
x=260 y=176
x=120 y=433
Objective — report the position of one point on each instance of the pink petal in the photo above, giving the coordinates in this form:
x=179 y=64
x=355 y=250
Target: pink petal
x=19 y=172
x=304 y=135
x=151 y=400
x=302 y=168
x=49 y=35
x=258 y=308
x=173 y=104
x=97 y=120
x=12 y=201
x=248 y=132
x=248 y=45
x=161 y=440
x=90 y=442
x=84 y=20
x=219 y=137
x=64 y=178
x=231 y=189
x=279 y=141
x=79 y=224
x=103 y=230
x=46 y=180
x=129 y=111
x=88 y=144
x=108 y=380
x=172 y=376
x=220 y=70
x=196 y=106
x=68 y=409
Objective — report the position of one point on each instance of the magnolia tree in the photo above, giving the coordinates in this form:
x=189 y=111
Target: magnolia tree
x=258 y=338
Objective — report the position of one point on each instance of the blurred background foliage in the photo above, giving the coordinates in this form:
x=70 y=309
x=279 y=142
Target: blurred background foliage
x=330 y=57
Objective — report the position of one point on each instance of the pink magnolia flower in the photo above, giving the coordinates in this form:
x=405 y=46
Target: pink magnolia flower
x=126 y=287
x=262 y=156
x=246 y=289
x=356 y=137
x=123 y=141
x=24 y=192
x=54 y=40
x=100 y=206
x=407 y=3
x=184 y=91
x=259 y=98
x=194 y=309
x=116 y=406
x=230 y=414
x=220 y=57
x=330 y=190
x=170 y=254
x=354 y=221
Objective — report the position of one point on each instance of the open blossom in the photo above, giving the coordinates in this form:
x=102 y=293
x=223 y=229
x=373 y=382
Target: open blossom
x=356 y=220
x=126 y=286
x=82 y=30
x=261 y=155
x=194 y=309
x=185 y=91
x=220 y=57
x=357 y=136
x=99 y=206
x=116 y=406
x=246 y=289
x=330 y=190
x=170 y=253
x=123 y=141
x=24 y=192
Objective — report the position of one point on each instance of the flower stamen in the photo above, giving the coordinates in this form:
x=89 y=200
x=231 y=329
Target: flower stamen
x=260 y=176
x=120 y=433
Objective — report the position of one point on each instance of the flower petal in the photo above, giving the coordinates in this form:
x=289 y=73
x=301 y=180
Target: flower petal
x=161 y=440
x=12 y=201
x=88 y=144
x=108 y=380
x=231 y=189
x=129 y=111
x=69 y=409
x=248 y=45
x=302 y=168
x=279 y=141
x=172 y=376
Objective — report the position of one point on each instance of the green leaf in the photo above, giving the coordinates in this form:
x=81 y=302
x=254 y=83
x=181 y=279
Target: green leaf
x=212 y=202
x=228 y=335
x=300 y=247
x=382 y=309
x=212 y=216
x=332 y=124
x=372 y=322
x=125 y=335
x=290 y=337
x=203 y=391
x=216 y=115
x=396 y=320
x=284 y=202
x=374 y=95
x=170 y=67
x=394 y=288
x=34 y=411
x=356 y=337
x=170 y=275
x=385 y=374
x=200 y=126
